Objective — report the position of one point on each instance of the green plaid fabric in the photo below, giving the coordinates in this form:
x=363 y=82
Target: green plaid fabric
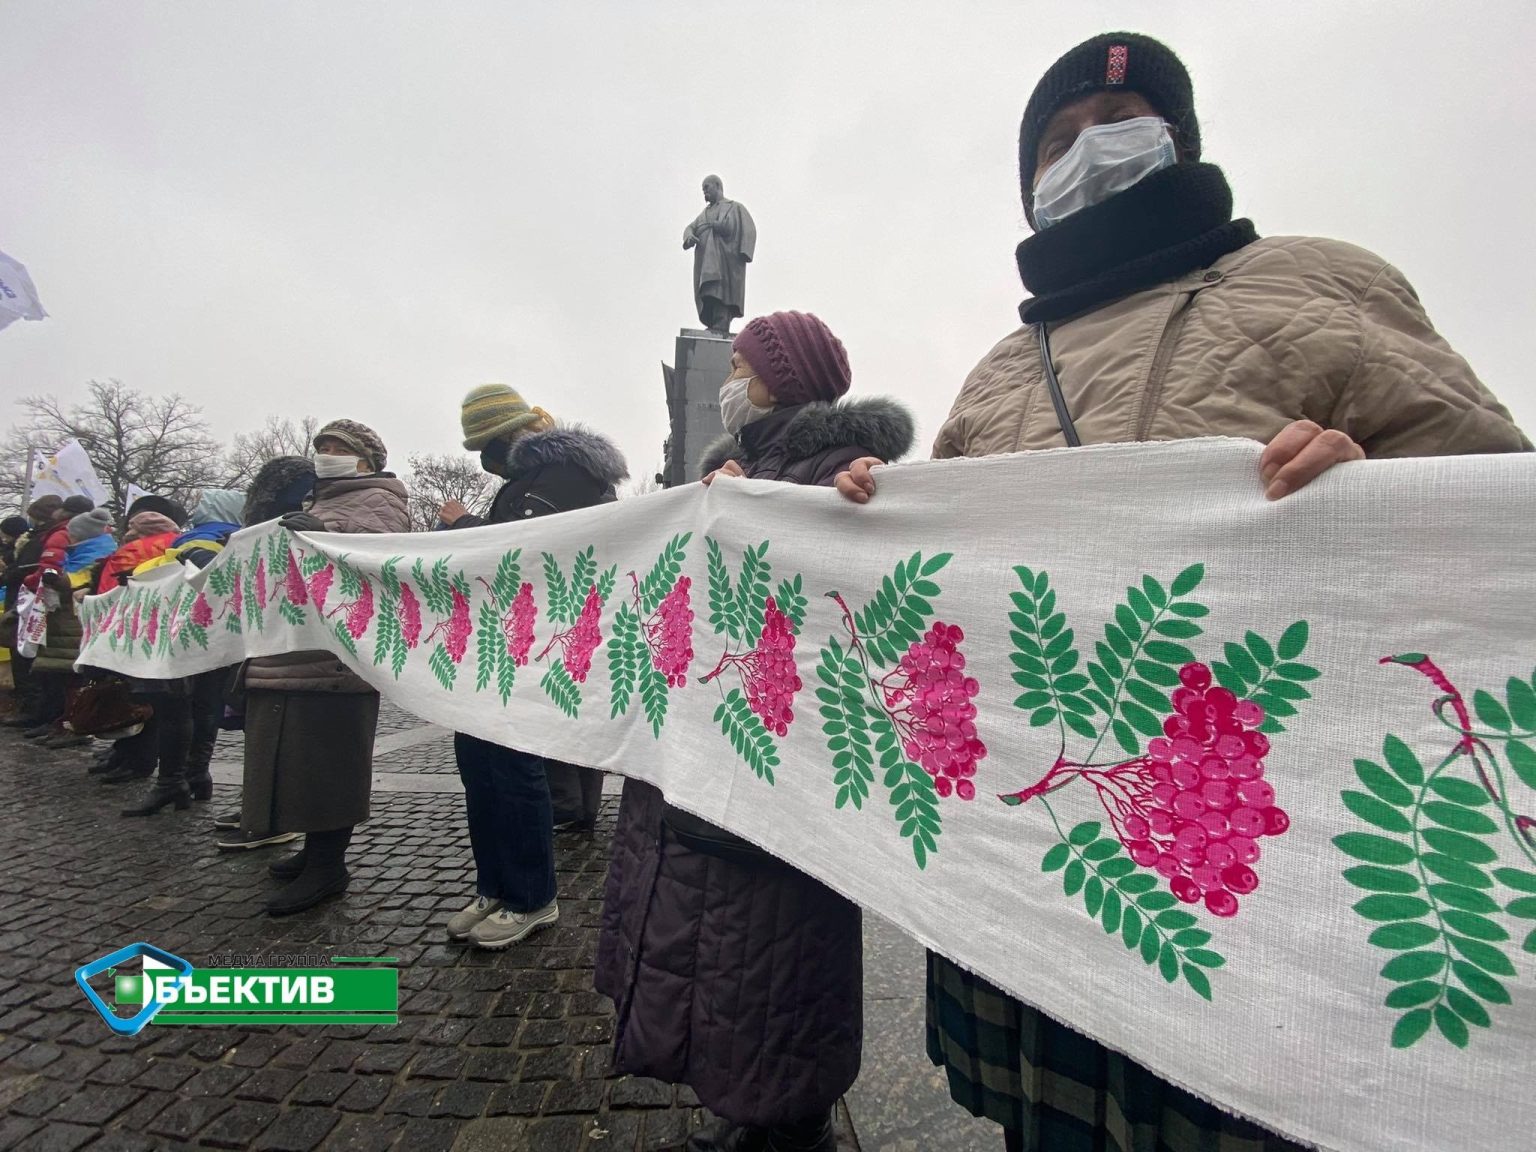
x=1060 y=1090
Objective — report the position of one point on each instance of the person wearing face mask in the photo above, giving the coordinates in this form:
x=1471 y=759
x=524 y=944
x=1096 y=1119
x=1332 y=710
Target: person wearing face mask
x=309 y=719
x=515 y=800
x=1154 y=315
x=731 y=971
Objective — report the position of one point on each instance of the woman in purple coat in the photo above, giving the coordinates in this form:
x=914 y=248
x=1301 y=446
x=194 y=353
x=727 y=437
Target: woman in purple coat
x=731 y=971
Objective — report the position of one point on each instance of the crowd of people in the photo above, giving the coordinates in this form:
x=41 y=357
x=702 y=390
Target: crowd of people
x=1152 y=314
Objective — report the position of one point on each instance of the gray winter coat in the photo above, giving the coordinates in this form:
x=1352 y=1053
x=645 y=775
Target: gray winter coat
x=731 y=971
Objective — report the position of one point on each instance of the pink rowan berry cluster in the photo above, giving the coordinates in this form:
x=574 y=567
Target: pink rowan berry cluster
x=202 y=611
x=320 y=585
x=518 y=624
x=152 y=629
x=931 y=701
x=360 y=611
x=261 y=582
x=457 y=628
x=771 y=676
x=408 y=613
x=237 y=597
x=1206 y=800
x=582 y=640
x=669 y=634
x=293 y=582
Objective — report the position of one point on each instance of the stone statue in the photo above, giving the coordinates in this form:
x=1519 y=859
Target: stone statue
x=723 y=239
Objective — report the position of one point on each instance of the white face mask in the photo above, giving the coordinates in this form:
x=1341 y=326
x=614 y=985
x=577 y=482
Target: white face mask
x=334 y=467
x=1103 y=160
x=736 y=407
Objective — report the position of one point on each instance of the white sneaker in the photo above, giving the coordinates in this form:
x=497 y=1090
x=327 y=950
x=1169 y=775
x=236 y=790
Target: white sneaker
x=504 y=928
x=241 y=841
x=460 y=925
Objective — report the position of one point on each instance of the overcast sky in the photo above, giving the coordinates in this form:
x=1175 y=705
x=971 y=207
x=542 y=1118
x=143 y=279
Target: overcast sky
x=362 y=210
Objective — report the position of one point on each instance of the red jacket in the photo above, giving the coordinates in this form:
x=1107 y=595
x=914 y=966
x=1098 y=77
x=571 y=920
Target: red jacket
x=55 y=544
x=130 y=556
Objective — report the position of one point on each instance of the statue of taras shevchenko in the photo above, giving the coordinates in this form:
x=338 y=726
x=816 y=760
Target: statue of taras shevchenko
x=723 y=238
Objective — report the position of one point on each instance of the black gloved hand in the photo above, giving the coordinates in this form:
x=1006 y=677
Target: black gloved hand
x=302 y=522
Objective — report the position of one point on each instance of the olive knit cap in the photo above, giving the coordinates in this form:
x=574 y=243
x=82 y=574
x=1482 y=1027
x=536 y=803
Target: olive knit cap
x=1111 y=62
x=361 y=439
x=498 y=412
x=796 y=357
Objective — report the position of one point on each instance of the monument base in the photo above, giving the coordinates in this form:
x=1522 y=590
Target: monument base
x=702 y=362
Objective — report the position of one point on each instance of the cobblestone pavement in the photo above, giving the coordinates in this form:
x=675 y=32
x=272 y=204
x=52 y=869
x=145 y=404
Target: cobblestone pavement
x=505 y=1050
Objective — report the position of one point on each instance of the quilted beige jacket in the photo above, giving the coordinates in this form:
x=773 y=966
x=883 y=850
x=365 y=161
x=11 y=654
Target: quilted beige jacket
x=1288 y=328
x=365 y=504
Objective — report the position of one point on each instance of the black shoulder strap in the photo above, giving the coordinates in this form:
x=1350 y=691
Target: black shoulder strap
x=1063 y=414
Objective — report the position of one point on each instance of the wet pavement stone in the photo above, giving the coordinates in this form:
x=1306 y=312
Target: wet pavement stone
x=503 y=1050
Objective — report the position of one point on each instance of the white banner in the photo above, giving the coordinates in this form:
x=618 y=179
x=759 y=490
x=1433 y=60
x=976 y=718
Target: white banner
x=67 y=472
x=18 y=298
x=1241 y=789
x=133 y=494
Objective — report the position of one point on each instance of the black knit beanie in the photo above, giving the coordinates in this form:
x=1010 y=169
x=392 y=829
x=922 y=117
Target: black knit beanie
x=1114 y=60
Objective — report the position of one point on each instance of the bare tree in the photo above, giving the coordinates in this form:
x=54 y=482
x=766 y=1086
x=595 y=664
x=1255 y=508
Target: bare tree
x=642 y=484
x=160 y=443
x=435 y=480
x=279 y=436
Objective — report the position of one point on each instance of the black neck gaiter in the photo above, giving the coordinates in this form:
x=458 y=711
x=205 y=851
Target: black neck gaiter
x=1172 y=222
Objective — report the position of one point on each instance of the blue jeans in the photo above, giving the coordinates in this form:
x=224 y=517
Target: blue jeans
x=511 y=825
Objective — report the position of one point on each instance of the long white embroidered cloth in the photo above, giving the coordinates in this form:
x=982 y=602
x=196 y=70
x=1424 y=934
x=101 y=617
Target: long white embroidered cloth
x=1243 y=790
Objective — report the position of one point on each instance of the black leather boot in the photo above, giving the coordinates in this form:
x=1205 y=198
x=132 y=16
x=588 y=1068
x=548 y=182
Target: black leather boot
x=207 y=707
x=288 y=868
x=133 y=757
x=723 y=1136
x=173 y=734
x=163 y=792
x=813 y=1134
x=110 y=762
x=127 y=773
x=324 y=875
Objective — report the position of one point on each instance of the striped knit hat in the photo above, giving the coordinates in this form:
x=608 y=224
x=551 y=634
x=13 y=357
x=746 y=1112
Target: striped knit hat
x=796 y=357
x=496 y=411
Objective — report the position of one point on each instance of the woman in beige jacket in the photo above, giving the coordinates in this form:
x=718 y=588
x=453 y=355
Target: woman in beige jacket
x=309 y=719
x=1163 y=318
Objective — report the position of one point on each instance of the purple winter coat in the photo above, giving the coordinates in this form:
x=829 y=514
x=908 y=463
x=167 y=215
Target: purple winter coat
x=731 y=971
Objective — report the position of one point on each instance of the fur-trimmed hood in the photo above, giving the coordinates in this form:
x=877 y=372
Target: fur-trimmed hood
x=279 y=486
x=590 y=451
x=879 y=424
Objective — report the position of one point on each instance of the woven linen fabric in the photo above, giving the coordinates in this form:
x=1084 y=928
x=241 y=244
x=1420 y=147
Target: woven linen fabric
x=1243 y=790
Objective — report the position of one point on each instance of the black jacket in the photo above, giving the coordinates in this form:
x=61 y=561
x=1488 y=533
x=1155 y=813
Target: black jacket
x=25 y=562
x=555 y=471
x=812 y=443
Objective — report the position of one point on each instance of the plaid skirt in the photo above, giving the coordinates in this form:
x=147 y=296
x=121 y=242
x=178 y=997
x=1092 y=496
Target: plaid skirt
x=1062 y=1091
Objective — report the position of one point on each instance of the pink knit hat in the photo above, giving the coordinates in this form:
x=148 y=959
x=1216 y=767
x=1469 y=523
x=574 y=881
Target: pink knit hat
x=796 y=356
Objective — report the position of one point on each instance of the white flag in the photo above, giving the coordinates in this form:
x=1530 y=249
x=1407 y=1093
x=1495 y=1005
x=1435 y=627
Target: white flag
x=67 y=472
x=18 y=298
x=133 y=494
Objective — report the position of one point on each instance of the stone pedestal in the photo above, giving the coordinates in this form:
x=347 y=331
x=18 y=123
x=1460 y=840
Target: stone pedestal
x=703 y=361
